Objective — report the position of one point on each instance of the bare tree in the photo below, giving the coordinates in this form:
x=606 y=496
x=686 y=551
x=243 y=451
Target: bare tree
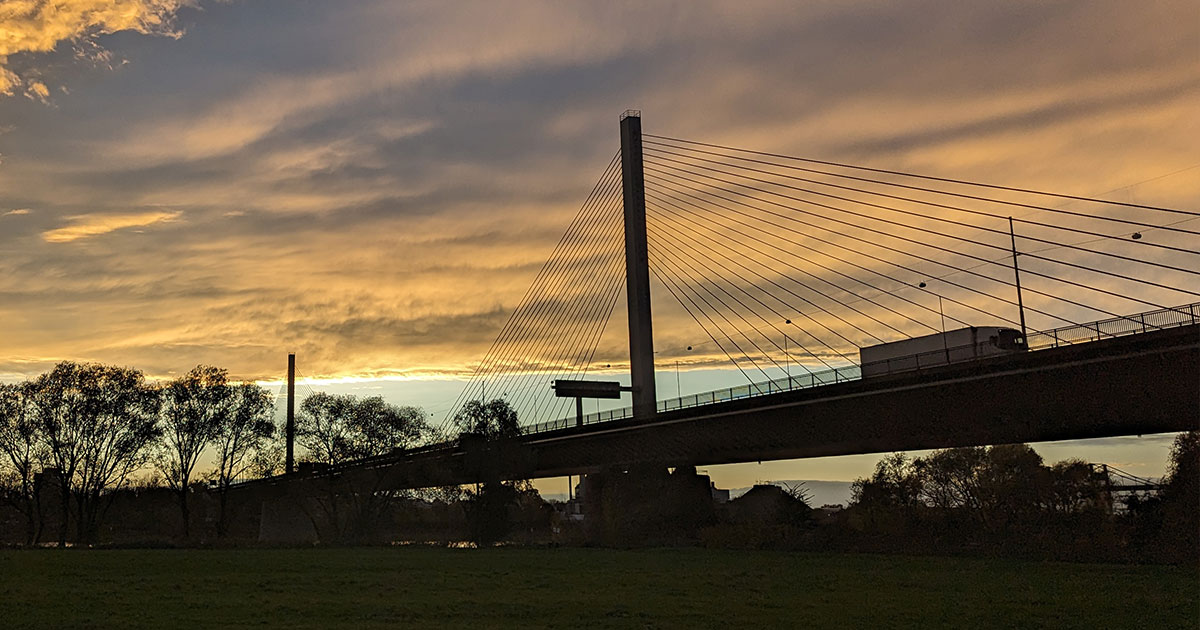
x=98 y=423
x=194 y=408
x=21 y=448
x=335 y=429
x=247 y=428
x=64 y=401
x=118 y=441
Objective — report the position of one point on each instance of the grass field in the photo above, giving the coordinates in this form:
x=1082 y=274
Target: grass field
x=578 y=588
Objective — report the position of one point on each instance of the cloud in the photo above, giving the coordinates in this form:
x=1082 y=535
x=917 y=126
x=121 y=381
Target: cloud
x=88 y=226
x=31 y=27
x=15 y=212
x=374 y=184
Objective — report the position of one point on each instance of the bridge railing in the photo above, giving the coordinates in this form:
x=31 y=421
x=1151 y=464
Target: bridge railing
x=775 y=386
x=1185 y=315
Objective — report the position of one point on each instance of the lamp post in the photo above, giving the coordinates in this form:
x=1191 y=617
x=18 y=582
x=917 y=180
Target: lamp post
x=1017 y=275
x=678 y=393
x=942 y=314
x=787 y=358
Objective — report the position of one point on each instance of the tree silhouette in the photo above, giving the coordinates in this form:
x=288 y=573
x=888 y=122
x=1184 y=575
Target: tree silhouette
x=99 y=423
x=493 y=420
x=341 y=428
x=194 y=408
x=245 y=429
x=338 y=428
x=64 y=401
x=21 y=449
x=488 y=429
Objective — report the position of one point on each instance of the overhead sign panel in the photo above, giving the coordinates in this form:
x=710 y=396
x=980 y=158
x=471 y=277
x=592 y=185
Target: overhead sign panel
x=588 y=389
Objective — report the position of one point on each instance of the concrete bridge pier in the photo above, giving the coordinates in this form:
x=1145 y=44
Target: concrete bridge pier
x=647 y=503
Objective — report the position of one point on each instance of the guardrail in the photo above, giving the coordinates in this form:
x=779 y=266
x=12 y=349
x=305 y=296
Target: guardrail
x=1185 y=315
x=796 y=381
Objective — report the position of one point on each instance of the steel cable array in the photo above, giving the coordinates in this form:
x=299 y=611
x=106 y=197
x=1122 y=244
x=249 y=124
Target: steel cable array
x=791 y=262
x=746 y=246
x=555 y=328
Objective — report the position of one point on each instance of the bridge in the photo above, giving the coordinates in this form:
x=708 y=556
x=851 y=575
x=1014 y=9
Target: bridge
x=790 y=267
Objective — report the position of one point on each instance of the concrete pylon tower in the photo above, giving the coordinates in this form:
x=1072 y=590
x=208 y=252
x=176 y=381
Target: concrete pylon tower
x=637 y=267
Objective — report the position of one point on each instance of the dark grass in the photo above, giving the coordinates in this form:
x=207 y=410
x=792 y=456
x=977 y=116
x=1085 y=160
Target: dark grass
x=416 y=587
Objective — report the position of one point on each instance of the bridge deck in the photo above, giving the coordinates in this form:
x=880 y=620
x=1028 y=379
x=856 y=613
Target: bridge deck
x=1139 y=384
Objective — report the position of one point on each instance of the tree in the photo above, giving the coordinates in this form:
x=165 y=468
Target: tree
x=1074 y=487
x=194 y=408
x=339 y=428
x=119 y=442
x=494 y=420
x=1181 y=496
x=246 y=428
x=21 y=449
x=64 y=401
x=949 y=478
x=98 y=423
x=893 y=485
x=488 y=432
x=1012 y=485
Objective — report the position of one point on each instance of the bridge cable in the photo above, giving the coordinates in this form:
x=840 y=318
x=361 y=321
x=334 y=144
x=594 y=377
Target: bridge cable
x=697 y=284
x=881 y=245
x=659 y=152
x=782 y=317
x=682 y=217
x=944 y=180
x=850 y=249
x=515 y=333
x=934 y=218
x=950 y=236
x=675 y=292
x=888 y=234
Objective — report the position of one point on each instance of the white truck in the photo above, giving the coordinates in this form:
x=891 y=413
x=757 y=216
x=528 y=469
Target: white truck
x=952 y=346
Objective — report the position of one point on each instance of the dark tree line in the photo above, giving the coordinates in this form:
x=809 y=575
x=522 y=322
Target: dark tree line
x=81 y=431
x=77 y=437
x=1006 y=497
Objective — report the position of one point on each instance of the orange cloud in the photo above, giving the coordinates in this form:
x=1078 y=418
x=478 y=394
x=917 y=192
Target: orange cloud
x=87 y=226
x=39 y=26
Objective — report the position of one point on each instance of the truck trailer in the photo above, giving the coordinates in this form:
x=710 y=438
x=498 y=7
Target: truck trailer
x=952 y=346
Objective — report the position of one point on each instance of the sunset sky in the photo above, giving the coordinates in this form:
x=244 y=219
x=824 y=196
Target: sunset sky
x=373 y=185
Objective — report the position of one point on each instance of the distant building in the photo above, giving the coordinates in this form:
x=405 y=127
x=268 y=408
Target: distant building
x=718 y=495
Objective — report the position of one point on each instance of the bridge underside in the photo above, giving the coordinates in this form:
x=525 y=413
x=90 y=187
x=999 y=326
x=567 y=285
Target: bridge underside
x=1140 y=384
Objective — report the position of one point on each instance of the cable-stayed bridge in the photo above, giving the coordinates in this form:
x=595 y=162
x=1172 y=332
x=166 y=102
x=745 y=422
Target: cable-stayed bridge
x=790 y=272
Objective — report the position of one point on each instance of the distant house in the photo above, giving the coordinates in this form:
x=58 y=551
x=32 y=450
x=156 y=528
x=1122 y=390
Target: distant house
x=767 y=503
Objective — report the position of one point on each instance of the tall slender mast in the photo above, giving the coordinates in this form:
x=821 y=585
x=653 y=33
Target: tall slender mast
x=290 y=465
x=1017 y=273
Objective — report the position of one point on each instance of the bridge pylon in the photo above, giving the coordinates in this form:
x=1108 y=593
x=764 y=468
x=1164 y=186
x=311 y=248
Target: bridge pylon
x=637 y=267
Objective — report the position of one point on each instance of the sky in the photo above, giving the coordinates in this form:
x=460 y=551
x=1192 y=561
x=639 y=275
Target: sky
x=373 y=185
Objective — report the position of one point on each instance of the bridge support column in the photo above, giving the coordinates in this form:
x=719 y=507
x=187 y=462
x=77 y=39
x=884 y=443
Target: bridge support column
x=637 y=268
